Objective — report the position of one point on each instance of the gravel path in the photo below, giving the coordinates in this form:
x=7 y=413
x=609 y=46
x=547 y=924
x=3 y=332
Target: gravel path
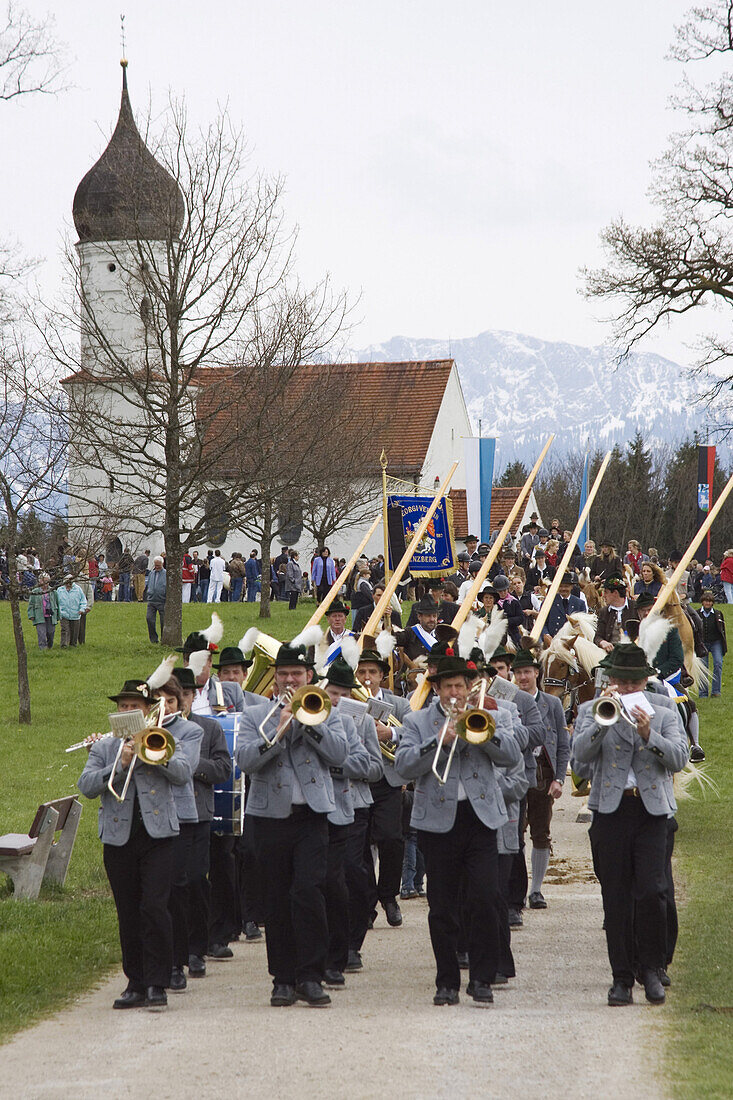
x=550 y=1034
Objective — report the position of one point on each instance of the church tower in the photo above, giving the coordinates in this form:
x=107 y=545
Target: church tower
x=127 y=210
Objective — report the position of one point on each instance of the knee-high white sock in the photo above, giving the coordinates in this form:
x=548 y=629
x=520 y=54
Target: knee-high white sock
x=694 y=727
x=540 y=861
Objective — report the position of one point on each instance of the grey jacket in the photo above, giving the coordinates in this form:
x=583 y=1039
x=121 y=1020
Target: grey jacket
x=293 y=577
x=214 y=765
x=612 y=750
x=153 y=786
x=513 y=786
x=401 y=711
x=357 y=765
x=233 y=694
x=434 y=805
x=304 y=754
x=531 y=719
x=155 y=588
x=361 y=792
x=557 y=738
x=188 y=737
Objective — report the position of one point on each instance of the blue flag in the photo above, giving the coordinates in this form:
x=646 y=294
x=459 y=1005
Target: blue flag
x=583 y=498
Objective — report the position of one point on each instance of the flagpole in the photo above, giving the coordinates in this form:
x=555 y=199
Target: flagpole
x=388 y=609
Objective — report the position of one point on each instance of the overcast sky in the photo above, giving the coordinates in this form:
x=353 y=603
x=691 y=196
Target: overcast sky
x=452 y=163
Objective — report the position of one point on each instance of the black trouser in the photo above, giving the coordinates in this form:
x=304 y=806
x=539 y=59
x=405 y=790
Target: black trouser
x=83 y=628
x=337 y=898
x=140 y=874
x=670 y=906
x=468 y=849
x=518 y=882
x=629 y=853
x=385 y=830
x=197 y=890
x=293 y=600
x=359 y=869
x=293 y=855
x=506 y=958
x=178 y=899
x=223 y=917
x=150 y=613
x=249 y=878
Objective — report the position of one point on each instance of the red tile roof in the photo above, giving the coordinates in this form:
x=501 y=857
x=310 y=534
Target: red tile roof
x=398 y=401
x=502 y=501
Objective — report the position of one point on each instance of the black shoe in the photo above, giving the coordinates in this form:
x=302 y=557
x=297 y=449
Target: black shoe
x=393 y=914
x=664 y=978
x=697 y=754
x=445 y=996
x=156 y=999
x=333 y=979
x=196 y=967
x=282 y=996
x=251 y=931
x=408 y=895
x=536 y=901
x=653 y=988
x=481 y=993
x=178 y=982
x=220 y=951
x=313 y=995
x=354 y=963
x=515 y=918
x=620 y=994
x=462 y=957
x=500 y=979
x=131 y=998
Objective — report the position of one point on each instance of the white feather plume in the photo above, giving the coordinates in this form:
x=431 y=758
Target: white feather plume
x=163 y=672
x=247 y=643
x=652 y=632
x=494 y=633
x=311 y=635
x=691 y=774
x=215 y=632
x=350 y=651
x=385 y=643
x=197 y=661
x=467 y=636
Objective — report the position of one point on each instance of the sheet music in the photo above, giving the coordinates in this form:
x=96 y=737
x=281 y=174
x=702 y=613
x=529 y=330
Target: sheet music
x=127 y=723
x=380 y=709
x=353 y=708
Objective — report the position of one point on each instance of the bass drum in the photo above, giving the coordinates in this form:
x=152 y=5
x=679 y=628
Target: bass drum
x=228 y=817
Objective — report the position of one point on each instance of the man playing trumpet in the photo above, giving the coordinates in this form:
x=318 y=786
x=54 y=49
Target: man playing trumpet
x=456 y=817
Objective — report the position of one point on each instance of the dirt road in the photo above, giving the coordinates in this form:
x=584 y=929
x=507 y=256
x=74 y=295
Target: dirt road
x=549 y=1034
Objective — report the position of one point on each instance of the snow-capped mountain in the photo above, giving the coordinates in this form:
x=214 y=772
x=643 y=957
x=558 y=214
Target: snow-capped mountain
x=522 y=388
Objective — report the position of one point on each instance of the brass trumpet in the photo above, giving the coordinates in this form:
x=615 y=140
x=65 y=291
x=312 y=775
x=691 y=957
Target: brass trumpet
x=608 y=709
x=310 y=706
x=473 y=725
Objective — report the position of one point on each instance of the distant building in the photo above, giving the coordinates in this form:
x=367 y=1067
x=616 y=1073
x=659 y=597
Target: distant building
x=416 y=409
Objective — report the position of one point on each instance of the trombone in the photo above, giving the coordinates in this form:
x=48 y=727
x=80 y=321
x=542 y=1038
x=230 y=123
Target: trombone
x=473 y=725
x=153 y=745
x=310 y=705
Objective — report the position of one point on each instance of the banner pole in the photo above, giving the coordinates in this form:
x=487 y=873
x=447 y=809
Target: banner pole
x=388 y=610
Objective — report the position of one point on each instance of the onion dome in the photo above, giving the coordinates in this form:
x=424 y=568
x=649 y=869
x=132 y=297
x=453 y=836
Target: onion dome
x=127 y=195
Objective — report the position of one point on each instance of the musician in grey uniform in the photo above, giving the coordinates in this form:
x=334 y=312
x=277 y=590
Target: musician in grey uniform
x=359 y=766
x=138 y=835
x=385 y=815
x=632 y=762
x=290 y=796
x=552 y=765
x=457 y=823
x=211 y=692
x=214 y=767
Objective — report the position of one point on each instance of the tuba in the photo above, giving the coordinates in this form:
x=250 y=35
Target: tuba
x=261 y=674
x=388 y=748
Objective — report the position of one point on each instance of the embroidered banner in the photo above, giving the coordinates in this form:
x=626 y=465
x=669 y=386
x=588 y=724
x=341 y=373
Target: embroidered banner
x=435 y=555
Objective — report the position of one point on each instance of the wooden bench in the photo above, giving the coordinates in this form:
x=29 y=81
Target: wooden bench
x=35 y=857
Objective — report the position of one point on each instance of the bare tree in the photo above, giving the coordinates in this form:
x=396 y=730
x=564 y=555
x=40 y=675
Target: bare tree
x=31 y=60
x=685 y=261
x=203 y=317
x=32 y=461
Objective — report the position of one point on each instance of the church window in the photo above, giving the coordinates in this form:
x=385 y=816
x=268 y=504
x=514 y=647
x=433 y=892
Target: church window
x=111 y=267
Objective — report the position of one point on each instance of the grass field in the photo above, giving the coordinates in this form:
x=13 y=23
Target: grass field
x=53 y=949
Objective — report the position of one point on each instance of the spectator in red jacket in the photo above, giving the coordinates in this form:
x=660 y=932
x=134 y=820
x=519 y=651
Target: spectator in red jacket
x=726 y=575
